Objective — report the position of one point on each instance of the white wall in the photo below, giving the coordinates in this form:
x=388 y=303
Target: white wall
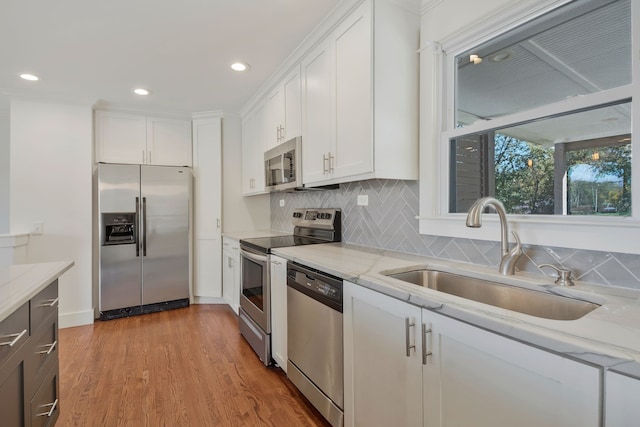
x=239 y=213
x=4 y=171
x=51 y=181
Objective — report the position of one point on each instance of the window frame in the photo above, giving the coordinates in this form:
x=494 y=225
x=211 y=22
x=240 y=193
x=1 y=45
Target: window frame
x=617 y=234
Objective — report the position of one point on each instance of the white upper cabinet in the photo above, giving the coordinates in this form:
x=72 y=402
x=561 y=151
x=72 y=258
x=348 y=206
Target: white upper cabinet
x=120 y=138
x=284 y=110
x=137 y=139
x=360 y=98
x=254 y=129
x=316 y=107
x=168 y=142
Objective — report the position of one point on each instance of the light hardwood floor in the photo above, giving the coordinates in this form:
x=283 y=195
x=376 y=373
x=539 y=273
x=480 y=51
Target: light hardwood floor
x=184 y=367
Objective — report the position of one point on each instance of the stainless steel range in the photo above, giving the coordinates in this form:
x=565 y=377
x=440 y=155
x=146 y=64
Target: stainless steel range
x=311 y=226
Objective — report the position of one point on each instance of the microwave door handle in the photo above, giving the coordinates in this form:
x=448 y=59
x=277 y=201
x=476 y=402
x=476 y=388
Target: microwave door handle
x=282 y=159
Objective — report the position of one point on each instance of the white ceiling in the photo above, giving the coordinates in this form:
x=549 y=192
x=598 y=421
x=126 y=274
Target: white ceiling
x=99 y=50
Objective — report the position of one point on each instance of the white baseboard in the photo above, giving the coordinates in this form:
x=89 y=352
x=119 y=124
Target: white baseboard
x=208 y=300
x=79 y=318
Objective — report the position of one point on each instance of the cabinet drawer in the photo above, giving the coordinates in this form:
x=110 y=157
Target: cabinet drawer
x=43 y=305
x=44 y=405
x=44 y=349
x=14 y=331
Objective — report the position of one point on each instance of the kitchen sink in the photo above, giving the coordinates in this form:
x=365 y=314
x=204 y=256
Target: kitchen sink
x=522 y=300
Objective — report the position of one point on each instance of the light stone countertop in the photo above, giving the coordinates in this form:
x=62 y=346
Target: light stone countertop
x=609 y=336
x=248 y=234
x=21 y=282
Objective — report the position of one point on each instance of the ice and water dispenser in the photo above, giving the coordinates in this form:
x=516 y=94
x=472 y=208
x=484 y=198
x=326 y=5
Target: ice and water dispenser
x=119 y=228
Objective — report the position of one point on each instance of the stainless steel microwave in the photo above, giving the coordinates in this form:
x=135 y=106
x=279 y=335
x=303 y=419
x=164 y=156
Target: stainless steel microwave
x=283 y=163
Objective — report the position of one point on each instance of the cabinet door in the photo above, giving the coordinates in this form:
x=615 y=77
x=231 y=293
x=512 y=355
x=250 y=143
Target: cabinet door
x=168 y=142
x=275 y=118
x=207 y=206
x=317 y=125
x=383 y=385
x=253 y=148
x=354 y=89
x=477 y=378
x=621 y=407
x=279 y=311
x=120 y=138
x=231 y=272
x=292 y=105
x=229 y=269
x=12 y=392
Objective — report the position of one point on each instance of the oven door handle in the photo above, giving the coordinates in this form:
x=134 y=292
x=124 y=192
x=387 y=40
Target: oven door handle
x=254 y=257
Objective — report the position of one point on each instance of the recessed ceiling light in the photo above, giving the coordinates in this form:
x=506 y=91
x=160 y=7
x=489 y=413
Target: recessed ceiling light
x=239 y=66
x=501 y=56
x=141 y=91
x=29 y=77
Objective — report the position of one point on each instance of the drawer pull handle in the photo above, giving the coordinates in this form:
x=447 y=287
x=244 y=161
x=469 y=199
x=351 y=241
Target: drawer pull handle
x=50 y=412
x=426 y=351
x=49 y=302
x=51 y=347
x=408 y=324
x=14 y=340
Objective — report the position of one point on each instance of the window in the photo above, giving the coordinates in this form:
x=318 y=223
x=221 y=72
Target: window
x=577 y=50
x=537 y=110
x=548 y=166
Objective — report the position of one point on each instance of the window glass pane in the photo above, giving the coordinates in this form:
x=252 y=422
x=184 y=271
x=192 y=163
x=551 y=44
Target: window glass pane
x=581 y=48
x=574 y=164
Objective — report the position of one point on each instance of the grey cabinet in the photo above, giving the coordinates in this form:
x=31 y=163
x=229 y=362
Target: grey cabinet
x=29 y=386
x=12 y=391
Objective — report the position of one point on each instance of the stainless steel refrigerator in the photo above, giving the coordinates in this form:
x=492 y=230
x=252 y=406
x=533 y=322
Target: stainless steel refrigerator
x=143 y=238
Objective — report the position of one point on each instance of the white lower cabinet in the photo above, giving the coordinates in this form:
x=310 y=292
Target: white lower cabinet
x=279 y=311
x=470 y=377
x=382 y=386
x=231 y=272
x=621 y=404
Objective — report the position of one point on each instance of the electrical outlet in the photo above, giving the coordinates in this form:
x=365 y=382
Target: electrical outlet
x=281 y=202
x=363 y=200
x=37 y=228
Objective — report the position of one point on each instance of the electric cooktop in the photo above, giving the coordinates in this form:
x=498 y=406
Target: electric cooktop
x=311 y=226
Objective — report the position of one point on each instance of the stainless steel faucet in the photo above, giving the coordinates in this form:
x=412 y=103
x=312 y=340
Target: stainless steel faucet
x=474 y=220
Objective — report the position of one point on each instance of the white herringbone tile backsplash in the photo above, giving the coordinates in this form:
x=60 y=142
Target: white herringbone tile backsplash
x=389 y=222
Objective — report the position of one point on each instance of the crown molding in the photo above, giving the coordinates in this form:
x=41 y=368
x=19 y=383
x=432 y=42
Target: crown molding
x=334 y=17
x=203 y=115
x=427 y=5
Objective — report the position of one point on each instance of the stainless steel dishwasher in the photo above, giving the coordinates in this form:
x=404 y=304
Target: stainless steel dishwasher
x=314 y=322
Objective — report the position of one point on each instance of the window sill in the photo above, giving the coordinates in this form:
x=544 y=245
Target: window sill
x=605 y=234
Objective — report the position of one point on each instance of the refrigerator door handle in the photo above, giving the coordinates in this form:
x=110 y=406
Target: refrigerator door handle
x=144 y=226
x=137 y=224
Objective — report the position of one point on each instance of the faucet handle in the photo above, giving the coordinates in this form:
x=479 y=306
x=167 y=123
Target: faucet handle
x=564 y=275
